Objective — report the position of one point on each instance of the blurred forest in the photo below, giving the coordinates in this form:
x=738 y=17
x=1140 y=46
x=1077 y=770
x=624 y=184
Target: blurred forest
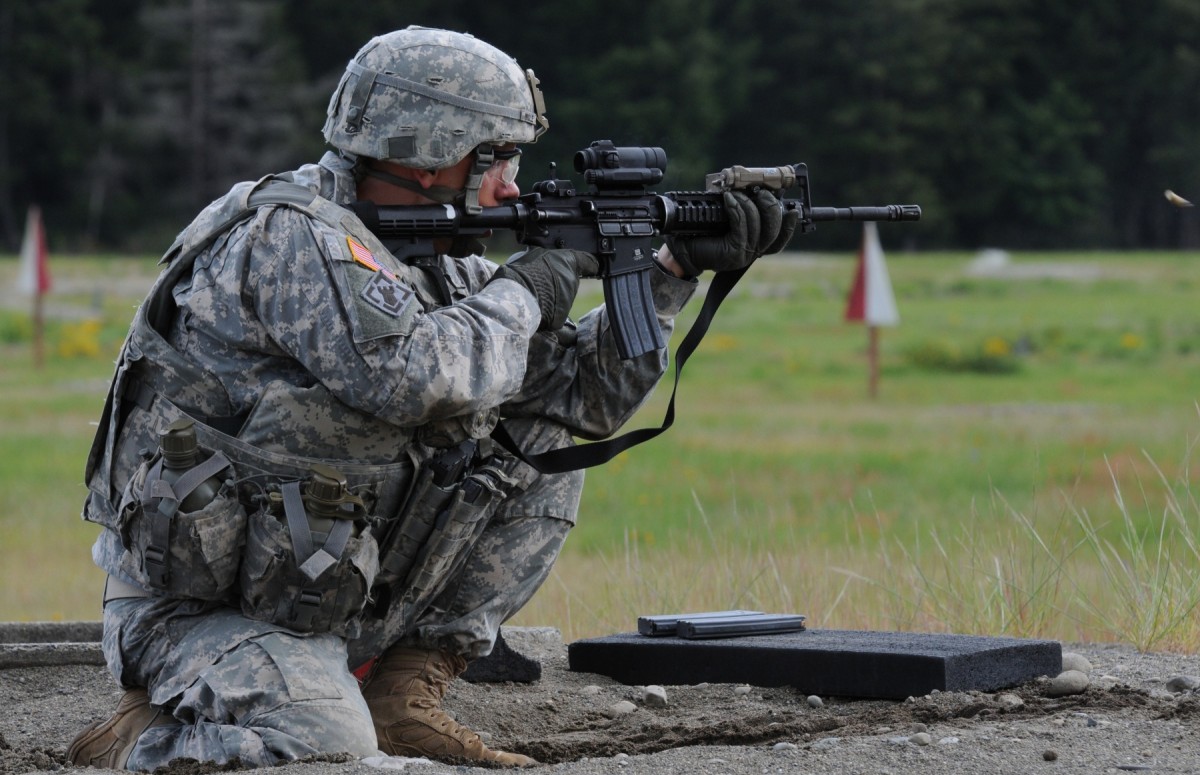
x=1014 y=123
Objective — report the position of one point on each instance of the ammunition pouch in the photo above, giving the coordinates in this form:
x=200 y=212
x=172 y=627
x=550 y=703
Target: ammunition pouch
x=448 y=508
x=178 y=553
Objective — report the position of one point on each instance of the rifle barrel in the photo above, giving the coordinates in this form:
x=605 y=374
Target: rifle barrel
x=883 y=213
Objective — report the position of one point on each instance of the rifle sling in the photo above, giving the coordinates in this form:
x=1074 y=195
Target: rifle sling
x=563 y=459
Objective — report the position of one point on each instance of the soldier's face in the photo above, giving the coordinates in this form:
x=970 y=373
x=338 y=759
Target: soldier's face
x=498 y=184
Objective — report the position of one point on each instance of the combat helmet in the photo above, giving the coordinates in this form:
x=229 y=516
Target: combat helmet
x=426 y=98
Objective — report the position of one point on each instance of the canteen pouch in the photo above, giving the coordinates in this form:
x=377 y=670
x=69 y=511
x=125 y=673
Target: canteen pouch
x=178 y=553
x=286 y=579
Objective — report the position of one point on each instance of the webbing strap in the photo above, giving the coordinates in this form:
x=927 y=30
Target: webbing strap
x=192 y=479
x=563 y=459
x=312 y=562
x=458 y=101
x=169 y=496
x=155 y=558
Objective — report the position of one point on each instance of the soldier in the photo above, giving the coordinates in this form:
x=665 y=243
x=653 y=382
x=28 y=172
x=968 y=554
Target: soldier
x=326 y=497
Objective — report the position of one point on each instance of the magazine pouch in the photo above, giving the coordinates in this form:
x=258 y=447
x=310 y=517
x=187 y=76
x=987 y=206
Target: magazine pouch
x=447 y=511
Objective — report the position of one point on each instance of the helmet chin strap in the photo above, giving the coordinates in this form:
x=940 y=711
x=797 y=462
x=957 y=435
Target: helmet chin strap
x=440 y=194
x=485 y=157
x=468 y=195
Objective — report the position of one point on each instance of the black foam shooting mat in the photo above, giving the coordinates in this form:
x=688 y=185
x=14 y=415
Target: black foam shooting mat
x=840 y=663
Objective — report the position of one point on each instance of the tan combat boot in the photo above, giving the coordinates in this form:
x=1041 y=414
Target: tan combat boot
x=405 y=694
x=107 y=744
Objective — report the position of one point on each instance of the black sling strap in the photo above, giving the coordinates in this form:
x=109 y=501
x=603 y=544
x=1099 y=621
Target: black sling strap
x=557 y=461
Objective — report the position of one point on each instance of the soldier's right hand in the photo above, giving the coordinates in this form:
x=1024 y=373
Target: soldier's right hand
x=552 y=276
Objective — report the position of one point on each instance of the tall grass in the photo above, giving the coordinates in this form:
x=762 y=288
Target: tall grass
x=1152 y=575
x=997 y=572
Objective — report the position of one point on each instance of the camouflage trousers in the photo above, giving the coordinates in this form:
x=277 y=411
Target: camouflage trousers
x=251 y=690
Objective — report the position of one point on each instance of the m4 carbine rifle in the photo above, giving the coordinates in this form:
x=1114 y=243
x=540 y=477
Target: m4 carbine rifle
x=617 y=221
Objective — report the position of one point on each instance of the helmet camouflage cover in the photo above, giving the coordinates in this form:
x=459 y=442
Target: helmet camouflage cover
x=425 y=98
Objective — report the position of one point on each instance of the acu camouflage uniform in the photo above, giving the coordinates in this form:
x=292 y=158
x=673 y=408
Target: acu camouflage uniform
x=288 y=348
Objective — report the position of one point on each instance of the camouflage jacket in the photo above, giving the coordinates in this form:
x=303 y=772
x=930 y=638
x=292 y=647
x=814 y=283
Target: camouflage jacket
x=283 y=301
x=322 y=345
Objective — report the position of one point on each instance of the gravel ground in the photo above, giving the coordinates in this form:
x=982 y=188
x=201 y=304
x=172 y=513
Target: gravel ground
x=1139 y=712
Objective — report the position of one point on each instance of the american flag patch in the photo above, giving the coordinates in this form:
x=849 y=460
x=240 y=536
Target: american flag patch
x=364 y=257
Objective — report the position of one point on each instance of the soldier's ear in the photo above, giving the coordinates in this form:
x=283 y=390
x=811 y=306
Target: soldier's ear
x=426 y=177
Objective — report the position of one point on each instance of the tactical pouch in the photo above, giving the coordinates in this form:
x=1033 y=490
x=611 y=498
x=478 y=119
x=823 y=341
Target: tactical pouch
x=434 y=537
x=179 y=552
x=407 y=535
x=290 y=580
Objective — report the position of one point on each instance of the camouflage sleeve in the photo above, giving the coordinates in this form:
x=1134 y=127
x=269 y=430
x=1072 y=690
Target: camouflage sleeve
x=584 y=384
x=363 y=333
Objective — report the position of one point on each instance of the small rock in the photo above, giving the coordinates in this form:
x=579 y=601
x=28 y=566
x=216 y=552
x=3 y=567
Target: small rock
x=1010 y=701
x=1183 y=683
x=654 y=697
x=921 y=738
x=814 y=701
x=1073 y=661
x=741 y=691
x=591 y=690
x=949 y=741
x=784 y=747
x=918 y=727
x=1049 y=755
x=622 y=708
x=825 y=743
x=1067 y=682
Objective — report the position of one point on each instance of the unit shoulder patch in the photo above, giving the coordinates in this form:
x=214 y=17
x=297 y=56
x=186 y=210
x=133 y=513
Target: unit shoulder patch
x=387 y=294
x=378 y=300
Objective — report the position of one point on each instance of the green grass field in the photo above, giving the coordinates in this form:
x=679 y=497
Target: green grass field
x=1025 y=468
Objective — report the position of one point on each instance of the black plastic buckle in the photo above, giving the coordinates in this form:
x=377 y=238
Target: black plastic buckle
x=451 y=466
x=156 y=566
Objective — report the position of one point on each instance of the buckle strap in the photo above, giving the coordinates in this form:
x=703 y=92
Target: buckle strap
x=116 y=589
x=312 y=562
x=169 y=497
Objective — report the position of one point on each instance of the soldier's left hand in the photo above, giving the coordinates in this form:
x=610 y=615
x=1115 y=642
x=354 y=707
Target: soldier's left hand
x=758 y=225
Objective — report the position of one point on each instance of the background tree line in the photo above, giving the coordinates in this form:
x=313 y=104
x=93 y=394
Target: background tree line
x=1014 y=123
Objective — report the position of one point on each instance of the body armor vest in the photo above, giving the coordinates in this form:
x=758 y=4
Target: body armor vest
x=165 y=550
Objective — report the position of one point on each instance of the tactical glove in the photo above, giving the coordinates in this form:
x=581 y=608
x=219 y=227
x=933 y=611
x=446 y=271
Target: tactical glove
x=757 y=227
x=552 y=276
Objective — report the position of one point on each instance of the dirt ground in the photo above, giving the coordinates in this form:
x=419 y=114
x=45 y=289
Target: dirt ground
x=1128 y=719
